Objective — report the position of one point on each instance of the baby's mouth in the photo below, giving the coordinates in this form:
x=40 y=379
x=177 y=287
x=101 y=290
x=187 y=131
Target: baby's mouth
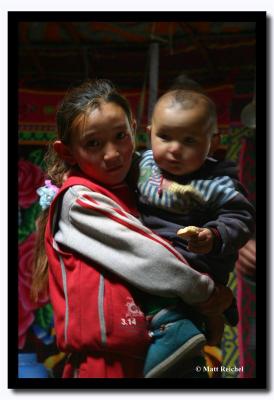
x=174 y=162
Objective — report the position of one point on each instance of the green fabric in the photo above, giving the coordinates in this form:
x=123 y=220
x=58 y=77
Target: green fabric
x=29 y=217
x=37 y=157
x=43 y=316
x=36 y=136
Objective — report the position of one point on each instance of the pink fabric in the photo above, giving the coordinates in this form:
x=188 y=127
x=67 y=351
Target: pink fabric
x=246 y=291
x=30 y=178
x=25 y=303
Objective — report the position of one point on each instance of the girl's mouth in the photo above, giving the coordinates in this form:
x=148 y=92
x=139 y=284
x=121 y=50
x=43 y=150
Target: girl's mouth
x=114 y=169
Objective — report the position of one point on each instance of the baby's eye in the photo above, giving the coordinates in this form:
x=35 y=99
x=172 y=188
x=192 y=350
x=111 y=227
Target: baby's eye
x=93 y=143
x=189 y=140
x=164 y=137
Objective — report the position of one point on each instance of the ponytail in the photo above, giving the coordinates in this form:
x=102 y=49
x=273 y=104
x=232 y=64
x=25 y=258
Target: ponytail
x=39 y=285
x=57 y=169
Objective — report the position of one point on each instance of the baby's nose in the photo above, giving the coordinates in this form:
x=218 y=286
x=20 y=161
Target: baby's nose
x=176 y=148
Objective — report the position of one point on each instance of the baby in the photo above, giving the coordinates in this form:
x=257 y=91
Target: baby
x=179 y=186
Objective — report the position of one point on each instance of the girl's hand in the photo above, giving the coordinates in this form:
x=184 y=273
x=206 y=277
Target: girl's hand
x=219 y=301
x=203 y=243
x=246 y=263
x=214 y=329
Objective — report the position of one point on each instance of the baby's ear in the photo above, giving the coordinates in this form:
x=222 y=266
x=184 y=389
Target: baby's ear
x=64 y=152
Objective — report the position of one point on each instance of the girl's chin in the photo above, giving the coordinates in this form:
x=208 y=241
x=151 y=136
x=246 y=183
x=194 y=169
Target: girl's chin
x=113 y=180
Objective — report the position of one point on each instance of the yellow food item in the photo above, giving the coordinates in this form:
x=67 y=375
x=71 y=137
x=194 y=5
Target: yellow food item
x=189 y=232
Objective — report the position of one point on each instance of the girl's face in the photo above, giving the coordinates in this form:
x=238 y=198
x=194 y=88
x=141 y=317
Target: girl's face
x=180 y=139
x=102 y=144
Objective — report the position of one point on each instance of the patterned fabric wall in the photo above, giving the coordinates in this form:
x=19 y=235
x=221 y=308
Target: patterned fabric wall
x=36 y=334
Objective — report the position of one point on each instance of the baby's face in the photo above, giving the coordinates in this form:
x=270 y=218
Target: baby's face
x=180 y=138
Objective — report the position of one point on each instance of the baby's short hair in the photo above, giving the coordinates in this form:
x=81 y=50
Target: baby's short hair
x=187 y=99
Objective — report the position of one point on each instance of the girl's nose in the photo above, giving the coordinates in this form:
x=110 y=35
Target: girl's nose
x=111 y=154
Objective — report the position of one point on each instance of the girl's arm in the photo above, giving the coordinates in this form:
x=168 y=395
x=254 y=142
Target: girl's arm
x=99 y=229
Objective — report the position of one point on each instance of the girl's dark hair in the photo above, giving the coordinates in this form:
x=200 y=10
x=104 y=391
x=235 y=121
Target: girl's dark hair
x=79 y=100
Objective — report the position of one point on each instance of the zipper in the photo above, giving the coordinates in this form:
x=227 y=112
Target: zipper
x=101 y=313
x=64 y=280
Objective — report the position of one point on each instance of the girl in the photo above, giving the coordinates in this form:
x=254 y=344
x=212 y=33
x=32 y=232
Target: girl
x=98 y=252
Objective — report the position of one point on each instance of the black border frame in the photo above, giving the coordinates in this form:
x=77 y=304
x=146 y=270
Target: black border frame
x=261 y=381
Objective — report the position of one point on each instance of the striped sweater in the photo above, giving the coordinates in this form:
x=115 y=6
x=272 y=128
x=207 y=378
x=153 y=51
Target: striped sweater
x=210 y=197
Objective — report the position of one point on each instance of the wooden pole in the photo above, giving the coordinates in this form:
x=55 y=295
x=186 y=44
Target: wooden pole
x=153 y=76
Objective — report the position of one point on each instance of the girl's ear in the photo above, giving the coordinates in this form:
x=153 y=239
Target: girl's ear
x=134 y=126
x=64 y=152
x=215 y=143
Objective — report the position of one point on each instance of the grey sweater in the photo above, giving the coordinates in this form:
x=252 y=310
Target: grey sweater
x=100 y=230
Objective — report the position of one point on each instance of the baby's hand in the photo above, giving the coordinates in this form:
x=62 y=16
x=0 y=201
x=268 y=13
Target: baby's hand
x=204 y=242
x=200 y=240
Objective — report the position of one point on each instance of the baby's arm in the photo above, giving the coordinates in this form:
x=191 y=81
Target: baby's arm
x=234 y=224
x=232 y=228
x=99 y=229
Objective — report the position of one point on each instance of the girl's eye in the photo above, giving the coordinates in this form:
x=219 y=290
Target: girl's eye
x=121 y=135
x=93 y=143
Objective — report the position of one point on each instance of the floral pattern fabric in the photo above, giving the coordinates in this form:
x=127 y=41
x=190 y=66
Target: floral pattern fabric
x=30 y=177
x=27 y=306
